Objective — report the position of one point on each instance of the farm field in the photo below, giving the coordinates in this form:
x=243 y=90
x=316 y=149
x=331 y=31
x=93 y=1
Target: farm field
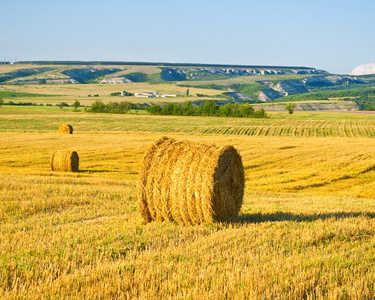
x=81 y=92
x=306 y=228
x=86 y=94
x=15 y=67
x=300 y=124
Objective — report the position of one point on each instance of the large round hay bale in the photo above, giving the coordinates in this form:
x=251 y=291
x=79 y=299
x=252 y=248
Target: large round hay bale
x=190 y=182
x=65 y=128
x=65 y=161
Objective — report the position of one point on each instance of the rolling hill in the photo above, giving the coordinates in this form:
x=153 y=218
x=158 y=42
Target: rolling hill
x=239 y=83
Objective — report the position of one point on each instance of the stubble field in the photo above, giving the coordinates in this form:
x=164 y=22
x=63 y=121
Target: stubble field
x=306 y=228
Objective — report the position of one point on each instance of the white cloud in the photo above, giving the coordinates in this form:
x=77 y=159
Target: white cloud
x=364 y=69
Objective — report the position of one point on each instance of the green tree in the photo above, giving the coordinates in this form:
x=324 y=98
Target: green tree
x=198 y=111
x=98 y=106
x=1 y=101
x=112 y=107
x=127 y=94
x=187 y=93
x=260 y=113
x=123 y=107
x=226 y=110
x=76 y=104
x=210 y=108
x=188 y=108
x=154 y=109
x=178 y=110
x=168 y=109
x=290 y=107
x=62 y=104
x=246 y=110
x=236 y=110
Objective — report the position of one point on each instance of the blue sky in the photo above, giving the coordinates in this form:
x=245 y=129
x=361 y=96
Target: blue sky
x=334 y=35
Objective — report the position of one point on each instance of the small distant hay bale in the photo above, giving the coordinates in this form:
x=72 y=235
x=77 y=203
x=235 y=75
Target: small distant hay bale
x=65 y=161
x=65 y=128
x=190 y=182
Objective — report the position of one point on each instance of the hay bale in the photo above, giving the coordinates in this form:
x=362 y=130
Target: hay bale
x=65 y=128
x=190 y=182
x=65 y=161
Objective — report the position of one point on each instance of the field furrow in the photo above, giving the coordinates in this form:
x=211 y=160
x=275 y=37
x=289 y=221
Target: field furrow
x=307 y=223
x=14 y=121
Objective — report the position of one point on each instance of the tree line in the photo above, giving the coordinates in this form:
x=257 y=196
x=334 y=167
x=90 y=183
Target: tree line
x=114 y=107
x=207 y=108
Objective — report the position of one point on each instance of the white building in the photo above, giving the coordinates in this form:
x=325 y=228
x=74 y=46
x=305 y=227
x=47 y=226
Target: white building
x=169 y=95
x=147 y=94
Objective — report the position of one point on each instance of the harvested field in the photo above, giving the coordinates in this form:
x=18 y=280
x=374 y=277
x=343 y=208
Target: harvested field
x=305 y=229
x=319 y=125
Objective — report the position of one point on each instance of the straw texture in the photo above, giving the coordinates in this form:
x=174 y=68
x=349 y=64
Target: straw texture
x=65 y=161
x=190 y=182
x=65 y=128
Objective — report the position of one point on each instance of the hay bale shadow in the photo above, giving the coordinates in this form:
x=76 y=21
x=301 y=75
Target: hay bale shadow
x=286 y=216
x=97 y=171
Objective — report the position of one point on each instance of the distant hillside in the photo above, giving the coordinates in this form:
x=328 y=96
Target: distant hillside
x=95 y=72
x=90 y=75
x=21 y=73
x=283 y=90
x=239 y=83
x=306 y=85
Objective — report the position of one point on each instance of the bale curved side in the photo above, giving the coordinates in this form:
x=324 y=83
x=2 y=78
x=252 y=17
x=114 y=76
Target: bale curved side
x=65 y=161
x=145 y=180
x=66 y=128
x=229 y=184
x=52 y=160
x=190 y=182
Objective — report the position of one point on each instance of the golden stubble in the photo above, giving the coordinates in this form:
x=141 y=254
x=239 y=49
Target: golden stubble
x=305 y=230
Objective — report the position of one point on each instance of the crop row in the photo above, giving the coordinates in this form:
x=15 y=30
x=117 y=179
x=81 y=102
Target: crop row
x=298 y=128
x=31 y=121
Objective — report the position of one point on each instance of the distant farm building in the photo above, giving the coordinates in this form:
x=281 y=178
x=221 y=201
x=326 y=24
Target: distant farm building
x=147 y=94
x=169 y=95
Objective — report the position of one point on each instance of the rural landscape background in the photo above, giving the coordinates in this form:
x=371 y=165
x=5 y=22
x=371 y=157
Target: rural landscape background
x=306 y=227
